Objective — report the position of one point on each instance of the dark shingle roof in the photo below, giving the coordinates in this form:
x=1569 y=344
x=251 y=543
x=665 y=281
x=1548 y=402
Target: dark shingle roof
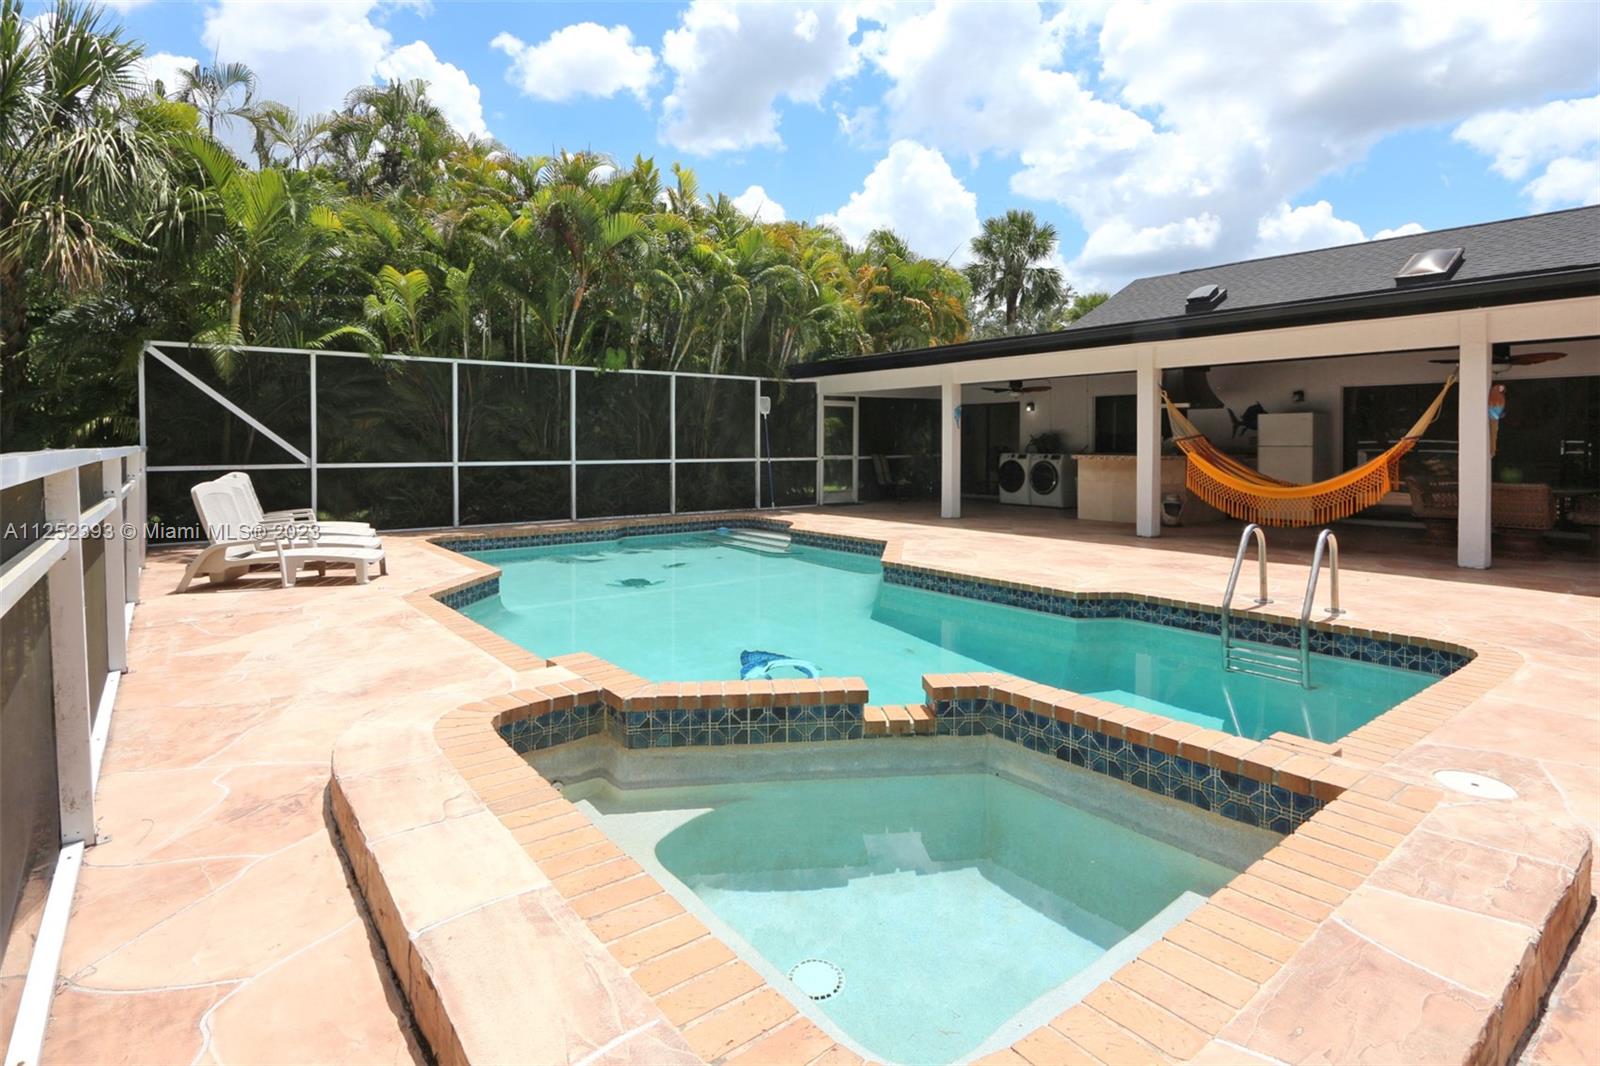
x=1559 y=240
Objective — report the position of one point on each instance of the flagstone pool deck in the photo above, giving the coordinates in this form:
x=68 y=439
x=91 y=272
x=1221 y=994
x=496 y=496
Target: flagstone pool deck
x=217 y=919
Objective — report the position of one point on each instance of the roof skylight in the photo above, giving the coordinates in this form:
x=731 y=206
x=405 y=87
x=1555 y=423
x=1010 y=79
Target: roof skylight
x=1432 y=265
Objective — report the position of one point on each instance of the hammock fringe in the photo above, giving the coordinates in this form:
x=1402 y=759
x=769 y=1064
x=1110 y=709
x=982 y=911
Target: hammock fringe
x=1235 y=489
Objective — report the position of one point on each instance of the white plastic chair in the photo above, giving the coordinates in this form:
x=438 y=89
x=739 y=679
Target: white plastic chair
x=301 y=516
x=236 y=545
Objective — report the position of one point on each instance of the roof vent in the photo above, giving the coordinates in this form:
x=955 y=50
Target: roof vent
x=1205 y=298
x=1435 y=264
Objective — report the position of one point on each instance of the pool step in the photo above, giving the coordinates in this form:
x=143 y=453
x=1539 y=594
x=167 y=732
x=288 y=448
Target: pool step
x=756 y=540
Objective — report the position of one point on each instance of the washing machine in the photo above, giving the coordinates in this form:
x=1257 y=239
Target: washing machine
x=1048 y=480
x=1014 y=477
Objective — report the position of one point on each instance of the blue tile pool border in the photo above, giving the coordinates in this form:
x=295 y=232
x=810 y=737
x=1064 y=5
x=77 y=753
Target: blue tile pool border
x=1379 y=650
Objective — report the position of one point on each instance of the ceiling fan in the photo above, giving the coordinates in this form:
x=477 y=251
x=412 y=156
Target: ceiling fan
x=1515 y=359
x=1016 y=388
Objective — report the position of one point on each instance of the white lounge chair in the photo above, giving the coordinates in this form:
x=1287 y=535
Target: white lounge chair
x=235 y=547
x=298 y=515
x=297 y=534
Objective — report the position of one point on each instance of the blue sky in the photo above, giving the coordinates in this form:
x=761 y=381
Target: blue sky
x=1155 y=137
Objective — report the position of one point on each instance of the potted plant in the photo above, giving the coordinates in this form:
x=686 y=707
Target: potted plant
x=1047 y=442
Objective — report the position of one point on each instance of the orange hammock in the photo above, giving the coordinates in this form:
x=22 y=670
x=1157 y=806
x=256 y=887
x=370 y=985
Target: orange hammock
x=1236 y=489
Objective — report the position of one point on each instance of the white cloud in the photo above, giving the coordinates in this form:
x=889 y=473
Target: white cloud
x=1403 y=230
x=1296 y=229
x=914 y=192
x=585 y=59
x=310 y=53
x=1190 y=127
x=122 y=7
x=1562 y=136
x=306 y=53
x=755 y=202
x=1567 y=182
x=448 y=85
x=733 y=62
x=165 y=68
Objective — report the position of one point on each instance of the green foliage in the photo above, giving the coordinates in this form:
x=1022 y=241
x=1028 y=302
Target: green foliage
x=379 y=229
x=1016 y=290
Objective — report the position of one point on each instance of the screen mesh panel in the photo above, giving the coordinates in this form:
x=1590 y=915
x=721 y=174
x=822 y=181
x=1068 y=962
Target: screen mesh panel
x=514 y=413
x=624 y=416
x=716 y=418
x=376 y=412
x=404 y=498
x=716 y=486
x=795 y=482
x=792 y=425
x=186 y=427
x=491 y=494
x=612 y=489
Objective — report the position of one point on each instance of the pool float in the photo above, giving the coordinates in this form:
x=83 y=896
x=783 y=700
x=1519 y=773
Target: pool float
x=753 y=664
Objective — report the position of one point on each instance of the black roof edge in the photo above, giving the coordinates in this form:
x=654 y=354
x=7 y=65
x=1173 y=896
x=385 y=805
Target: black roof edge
x=1388 y=303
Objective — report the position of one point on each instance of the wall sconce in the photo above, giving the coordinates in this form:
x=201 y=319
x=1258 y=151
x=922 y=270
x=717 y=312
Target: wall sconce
x=1030 y=407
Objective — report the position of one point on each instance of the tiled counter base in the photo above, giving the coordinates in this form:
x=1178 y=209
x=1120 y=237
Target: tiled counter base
x=521 y=932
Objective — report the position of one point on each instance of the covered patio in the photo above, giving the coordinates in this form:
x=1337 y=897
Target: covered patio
x=1332 y=336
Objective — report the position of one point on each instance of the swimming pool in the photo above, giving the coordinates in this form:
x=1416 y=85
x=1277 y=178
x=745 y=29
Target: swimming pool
x=939 y=914
x=684 y=607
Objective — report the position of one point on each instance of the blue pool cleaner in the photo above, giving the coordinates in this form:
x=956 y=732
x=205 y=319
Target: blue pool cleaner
x=754 y=664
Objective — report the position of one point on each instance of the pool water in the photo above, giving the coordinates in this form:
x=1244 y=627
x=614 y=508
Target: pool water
x=683 y=607
x=950 y=902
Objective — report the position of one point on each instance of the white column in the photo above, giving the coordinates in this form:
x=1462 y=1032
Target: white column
x=1474 y=519
x=949 y=450
x=69 y=663
x=1147 y=427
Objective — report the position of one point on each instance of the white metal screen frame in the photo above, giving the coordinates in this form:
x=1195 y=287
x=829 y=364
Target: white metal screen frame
x=296 y=459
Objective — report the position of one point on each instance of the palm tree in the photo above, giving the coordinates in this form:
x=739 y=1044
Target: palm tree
x=278 y=126
x=221 y=91
x=1083 y=303
x=391 y=137
x=582 y=222
x=77 y=170
x=1007 y=272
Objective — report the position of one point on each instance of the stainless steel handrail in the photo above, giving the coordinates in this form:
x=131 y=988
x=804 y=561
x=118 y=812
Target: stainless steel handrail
x=1233 y=581
x=1326 y=541
x=1238 y=561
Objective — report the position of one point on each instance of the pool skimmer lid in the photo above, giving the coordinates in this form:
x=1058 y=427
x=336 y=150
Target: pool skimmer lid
x=817 y=978
x=1472 y=784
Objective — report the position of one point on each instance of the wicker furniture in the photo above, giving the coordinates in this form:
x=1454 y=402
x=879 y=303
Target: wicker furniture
x=1521 y=514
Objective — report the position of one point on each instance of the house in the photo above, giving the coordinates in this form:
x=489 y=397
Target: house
x=1354 y=340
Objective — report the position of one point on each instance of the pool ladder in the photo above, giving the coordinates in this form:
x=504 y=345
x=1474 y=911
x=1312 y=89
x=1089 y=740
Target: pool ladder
x=1267 y=660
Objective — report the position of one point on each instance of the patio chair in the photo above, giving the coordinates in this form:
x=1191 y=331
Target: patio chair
x=299 y=515
x=296 y=533
x=235 y=547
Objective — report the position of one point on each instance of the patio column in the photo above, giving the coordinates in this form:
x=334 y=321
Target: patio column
x=1474 y=515
x=1147 y=451
x=949 y=449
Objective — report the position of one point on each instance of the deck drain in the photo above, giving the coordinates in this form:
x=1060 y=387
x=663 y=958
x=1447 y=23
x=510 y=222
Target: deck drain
x=817 y=978
x=1474 y=784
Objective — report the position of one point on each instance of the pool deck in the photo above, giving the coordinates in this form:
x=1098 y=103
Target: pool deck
x=217 y=918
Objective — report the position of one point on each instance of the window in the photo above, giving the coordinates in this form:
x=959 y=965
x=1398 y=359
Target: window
x=1113 y=425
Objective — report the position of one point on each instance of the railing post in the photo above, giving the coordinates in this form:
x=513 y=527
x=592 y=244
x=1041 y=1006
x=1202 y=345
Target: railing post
x=134 y=516
x=116 y=591
x=69 y=662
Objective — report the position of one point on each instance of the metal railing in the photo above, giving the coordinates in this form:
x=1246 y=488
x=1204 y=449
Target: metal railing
x=83 y=552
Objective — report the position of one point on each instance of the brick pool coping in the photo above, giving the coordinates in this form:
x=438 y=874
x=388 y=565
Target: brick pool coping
x=686 y=994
